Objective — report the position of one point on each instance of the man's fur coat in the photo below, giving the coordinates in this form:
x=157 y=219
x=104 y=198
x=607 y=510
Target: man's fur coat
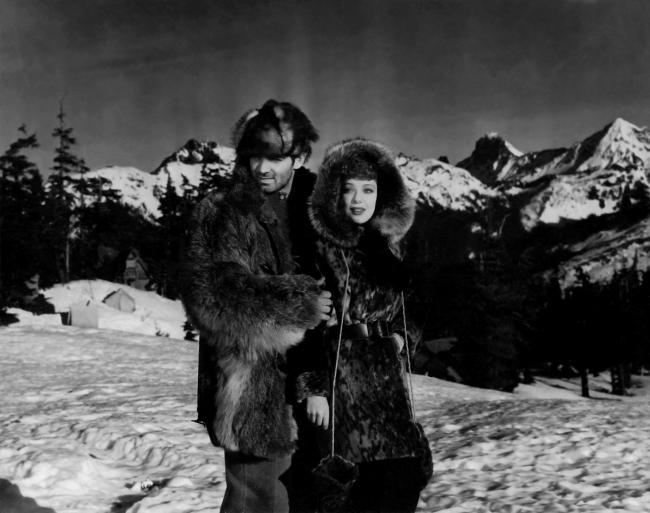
x=240 y=292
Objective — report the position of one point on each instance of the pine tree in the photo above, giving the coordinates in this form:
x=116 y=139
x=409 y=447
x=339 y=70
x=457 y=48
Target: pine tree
x=212 y=179
x=585 y=335
x=21 y=214
x=66 y=180
x=190 y=331
x=170 y=219
x=95 y=220
x=628 y=314
x=643 y=314
x=176 y=211
x=552 y=324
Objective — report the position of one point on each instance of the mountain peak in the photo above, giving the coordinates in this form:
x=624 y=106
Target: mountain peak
x=492 y=153
x=200 y=152
x=619 y=144
x=622 y=126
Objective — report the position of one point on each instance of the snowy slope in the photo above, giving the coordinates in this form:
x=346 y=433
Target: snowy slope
x=601 y=254
x=96 y=421
x=582 y=195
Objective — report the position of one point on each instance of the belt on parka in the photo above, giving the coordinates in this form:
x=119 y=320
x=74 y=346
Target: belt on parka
x=363 y=330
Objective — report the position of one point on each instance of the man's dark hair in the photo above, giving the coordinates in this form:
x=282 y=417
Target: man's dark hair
x=277 y=129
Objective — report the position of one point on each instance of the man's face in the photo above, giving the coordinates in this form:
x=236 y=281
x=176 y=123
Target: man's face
x=275 y=173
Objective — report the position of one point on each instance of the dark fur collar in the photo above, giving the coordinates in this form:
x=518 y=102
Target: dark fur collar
x=395 y=207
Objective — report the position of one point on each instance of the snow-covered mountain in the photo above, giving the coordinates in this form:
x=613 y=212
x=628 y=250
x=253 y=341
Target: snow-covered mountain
x=603 y=177
x=435 y=184
x=143 y=190
x=601 y=174
x=439 y=185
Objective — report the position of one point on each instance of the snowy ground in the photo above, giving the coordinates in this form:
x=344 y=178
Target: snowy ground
x=153 y=315
x=101 y=421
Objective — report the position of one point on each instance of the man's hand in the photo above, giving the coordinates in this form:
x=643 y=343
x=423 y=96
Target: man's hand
x=318 y=411
x=325 y=305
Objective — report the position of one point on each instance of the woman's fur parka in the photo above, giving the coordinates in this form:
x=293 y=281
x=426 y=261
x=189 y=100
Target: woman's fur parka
x=373 y=411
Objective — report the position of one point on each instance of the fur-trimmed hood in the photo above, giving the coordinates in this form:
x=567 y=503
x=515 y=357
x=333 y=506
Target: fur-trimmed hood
x=395 y=208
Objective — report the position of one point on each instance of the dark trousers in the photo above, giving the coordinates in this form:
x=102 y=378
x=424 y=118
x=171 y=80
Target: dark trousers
x=256 y=485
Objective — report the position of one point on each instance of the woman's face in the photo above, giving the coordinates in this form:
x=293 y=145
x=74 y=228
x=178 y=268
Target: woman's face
x=360 y=199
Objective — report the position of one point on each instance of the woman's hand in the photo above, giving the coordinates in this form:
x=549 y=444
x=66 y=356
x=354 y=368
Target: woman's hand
x=318 y=411
x=398 y=340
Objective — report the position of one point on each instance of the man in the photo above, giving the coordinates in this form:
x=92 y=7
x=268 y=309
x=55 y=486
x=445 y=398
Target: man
x=240 y=291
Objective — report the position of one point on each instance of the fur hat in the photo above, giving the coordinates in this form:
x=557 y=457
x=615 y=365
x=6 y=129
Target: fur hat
x=358 y=168
x=276 y=129
x=360 y=158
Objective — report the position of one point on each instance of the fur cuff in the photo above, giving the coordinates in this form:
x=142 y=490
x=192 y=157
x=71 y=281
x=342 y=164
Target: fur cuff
x=312 y=383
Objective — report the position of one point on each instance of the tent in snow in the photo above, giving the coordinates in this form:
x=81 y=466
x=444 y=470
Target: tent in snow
x=83 y=315
x=120 y=300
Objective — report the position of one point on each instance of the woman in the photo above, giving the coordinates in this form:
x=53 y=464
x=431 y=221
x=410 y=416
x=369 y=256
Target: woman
x=360 y=209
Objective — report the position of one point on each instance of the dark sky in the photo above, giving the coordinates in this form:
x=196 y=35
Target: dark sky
x=426 y=77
